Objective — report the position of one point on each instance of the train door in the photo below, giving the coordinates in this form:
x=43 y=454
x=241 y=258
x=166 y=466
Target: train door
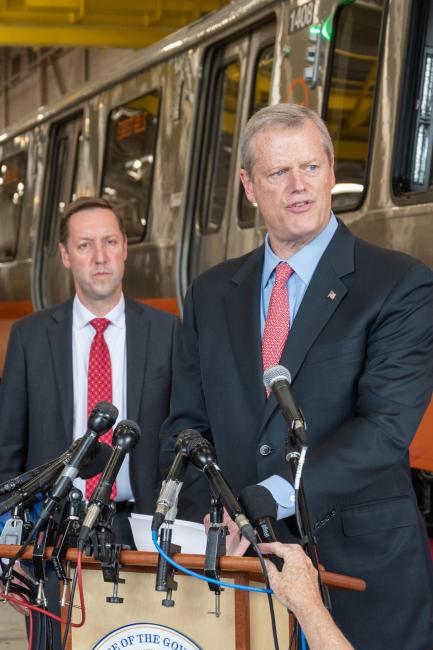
x=218 y=223
x=52 y=283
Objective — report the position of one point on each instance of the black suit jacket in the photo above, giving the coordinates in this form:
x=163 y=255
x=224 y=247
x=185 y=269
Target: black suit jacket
x=362 y=371
x=36 y=392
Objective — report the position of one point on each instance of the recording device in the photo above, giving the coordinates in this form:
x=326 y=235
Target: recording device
x=125 y=437
x=261 y=509
x=277 y=379
x=202 y=454
x=94 y=463
x=101 y=419
x=172 y=485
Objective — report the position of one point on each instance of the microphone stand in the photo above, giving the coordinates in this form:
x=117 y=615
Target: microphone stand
x=165 y=572
x=215 y=547
x=66 y=537
x=308 y=538
x=107 y=552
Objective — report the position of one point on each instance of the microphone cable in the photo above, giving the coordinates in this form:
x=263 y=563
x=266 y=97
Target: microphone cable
x=229 y=585
x=78 y=577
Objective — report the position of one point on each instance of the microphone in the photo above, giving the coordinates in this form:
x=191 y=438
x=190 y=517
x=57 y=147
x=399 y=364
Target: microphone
x=13 y=484
x=125 y=437
x=261 y=509
x=277 y=379
x=172 y=484
x=202 y=454
x=94 y=463
x=101 y=419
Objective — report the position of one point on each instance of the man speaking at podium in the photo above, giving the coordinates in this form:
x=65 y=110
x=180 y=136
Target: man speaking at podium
x=353 y=323
x=96 y=346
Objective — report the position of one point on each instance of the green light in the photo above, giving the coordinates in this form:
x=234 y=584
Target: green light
x=315 y=29
x=327 y=29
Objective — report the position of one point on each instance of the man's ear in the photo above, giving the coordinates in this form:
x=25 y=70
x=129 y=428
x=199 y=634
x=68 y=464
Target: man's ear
x=248 y=185
x=64 y=255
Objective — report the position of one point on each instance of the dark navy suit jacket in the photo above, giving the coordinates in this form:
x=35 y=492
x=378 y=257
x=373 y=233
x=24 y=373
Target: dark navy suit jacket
x=362 y=371
x=36 y=392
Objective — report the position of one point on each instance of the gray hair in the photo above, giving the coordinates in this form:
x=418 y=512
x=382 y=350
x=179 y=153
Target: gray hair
x=282 y=116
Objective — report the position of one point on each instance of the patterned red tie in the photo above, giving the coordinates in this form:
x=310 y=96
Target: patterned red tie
x=99 y=386
x=277 y=324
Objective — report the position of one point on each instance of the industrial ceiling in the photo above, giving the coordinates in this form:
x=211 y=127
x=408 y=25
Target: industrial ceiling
x=96 y=23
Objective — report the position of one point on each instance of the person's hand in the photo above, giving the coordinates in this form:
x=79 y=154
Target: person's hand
x=236 y=544
x=18 y=569
x=296 y=587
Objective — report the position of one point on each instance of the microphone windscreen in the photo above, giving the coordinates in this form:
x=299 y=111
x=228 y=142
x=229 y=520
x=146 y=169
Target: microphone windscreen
x=102 y=417
x=273 y=373
x=97 y=461
x=258 y=503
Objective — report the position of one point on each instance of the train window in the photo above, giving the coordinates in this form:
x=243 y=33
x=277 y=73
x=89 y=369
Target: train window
x=12 y=184
x=260 y=99
x=66 y=165
x=130 y=161
x=219 y=145
x=413 y=154
x=78 y=180
x=350 y=96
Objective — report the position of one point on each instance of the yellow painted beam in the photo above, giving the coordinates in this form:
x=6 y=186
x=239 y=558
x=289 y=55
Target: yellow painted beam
x=80 y=36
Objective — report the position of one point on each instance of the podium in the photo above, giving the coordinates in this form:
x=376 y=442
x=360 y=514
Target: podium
x=244 y=623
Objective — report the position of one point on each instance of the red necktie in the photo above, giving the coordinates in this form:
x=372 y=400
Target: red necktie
x=99 y=386
x=277 y=324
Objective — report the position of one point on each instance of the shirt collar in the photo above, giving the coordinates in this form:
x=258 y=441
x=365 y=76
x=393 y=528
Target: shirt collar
x=82 y=316
x=304 y=261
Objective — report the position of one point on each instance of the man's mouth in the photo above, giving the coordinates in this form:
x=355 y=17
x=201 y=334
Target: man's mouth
x=300 y=204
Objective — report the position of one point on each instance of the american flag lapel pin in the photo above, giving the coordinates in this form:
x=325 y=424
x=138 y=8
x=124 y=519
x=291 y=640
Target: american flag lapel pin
x=331 y=295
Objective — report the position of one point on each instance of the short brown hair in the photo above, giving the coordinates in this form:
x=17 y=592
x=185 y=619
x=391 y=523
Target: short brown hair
x=282 y=116
x=85 y=203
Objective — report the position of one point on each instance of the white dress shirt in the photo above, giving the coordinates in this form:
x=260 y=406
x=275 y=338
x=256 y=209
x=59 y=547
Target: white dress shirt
x=115 y=337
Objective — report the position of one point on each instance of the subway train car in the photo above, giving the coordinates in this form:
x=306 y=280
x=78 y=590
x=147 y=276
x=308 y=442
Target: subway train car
x=161 y=141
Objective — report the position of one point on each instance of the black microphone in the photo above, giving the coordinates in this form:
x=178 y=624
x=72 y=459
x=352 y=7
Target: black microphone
x=13 y=484
x=202 y=454
x=101 y=419
x=93 y=464
x=172 y=484
x=261 y=509
x=125 y=437
x=277 y=379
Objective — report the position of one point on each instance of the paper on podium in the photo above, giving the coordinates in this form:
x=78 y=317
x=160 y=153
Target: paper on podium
x=187 y=534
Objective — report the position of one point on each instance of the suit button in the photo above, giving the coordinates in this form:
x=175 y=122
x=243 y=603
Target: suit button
x=265 y=450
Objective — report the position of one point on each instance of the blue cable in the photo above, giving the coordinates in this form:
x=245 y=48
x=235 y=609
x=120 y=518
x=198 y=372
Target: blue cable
x=204 y=578
x=303 y=641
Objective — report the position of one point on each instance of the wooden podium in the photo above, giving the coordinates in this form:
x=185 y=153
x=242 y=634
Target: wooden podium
x=244 y=623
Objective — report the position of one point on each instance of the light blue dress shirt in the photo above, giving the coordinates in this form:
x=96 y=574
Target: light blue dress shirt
x=303 y=263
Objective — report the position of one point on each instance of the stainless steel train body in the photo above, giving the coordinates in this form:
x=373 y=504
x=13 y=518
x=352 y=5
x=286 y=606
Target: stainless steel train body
x=160 y=139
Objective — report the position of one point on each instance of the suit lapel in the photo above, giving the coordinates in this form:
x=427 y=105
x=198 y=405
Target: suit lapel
x=59 y=333
x=242 y=310
x=137 y=341
x=325 y=292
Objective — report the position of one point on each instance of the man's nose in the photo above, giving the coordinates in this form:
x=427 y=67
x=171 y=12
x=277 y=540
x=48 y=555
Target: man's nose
x=296 y=181
x=99 y=251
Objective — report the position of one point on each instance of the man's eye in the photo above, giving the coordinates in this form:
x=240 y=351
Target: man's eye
x=112 y=242
x=278 y=173
x=312 y=167
x=83 y=246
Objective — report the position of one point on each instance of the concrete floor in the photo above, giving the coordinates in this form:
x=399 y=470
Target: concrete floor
x=12 y=629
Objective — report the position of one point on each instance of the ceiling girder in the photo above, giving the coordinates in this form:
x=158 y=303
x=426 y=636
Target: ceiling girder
x=97 y=23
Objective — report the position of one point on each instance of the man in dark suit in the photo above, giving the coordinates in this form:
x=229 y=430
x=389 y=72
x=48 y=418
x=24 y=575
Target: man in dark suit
x=358 y=331
x=43 y=394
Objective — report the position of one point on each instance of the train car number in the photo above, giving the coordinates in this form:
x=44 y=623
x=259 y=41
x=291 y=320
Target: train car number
x=301 y=17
